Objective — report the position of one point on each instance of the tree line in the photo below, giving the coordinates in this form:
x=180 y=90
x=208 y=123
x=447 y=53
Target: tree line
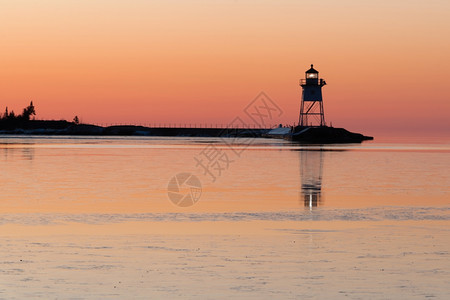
x=27 y=113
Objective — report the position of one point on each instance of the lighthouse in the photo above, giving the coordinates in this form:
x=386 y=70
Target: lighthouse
x=311 y=108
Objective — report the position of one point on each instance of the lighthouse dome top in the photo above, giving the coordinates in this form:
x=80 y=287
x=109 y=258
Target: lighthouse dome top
x=312 y=70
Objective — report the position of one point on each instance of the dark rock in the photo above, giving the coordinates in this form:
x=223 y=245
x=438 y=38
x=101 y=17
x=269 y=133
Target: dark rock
x=326 y=135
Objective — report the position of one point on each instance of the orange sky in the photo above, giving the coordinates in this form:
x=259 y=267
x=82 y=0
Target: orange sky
x=386 y=62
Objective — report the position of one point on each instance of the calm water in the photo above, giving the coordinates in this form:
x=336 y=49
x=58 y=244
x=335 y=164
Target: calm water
x=91 y=217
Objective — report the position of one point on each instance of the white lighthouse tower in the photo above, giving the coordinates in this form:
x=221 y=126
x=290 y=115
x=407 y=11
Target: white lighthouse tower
x=311 y=108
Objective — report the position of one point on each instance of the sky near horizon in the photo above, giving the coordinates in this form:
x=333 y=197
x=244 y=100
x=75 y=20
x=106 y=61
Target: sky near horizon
x=386 y=63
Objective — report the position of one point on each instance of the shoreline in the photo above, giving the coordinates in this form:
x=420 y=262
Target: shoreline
x=312 y=135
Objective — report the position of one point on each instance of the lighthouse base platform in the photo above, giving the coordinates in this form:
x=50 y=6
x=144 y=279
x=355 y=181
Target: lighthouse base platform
x=325 y=135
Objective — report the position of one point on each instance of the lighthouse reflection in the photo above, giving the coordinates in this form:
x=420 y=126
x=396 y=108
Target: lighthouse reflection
x=311 y=168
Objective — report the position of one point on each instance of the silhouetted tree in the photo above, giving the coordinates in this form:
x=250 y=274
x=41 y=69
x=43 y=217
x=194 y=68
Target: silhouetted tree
x=76 y=121
x=28 y=112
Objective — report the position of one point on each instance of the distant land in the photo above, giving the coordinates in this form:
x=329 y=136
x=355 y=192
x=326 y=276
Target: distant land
x=321 y=135
x=12 y=124
x=49 y=127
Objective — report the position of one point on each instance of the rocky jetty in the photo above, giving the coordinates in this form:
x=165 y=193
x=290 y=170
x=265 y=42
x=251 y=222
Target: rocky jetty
x=325 y=135
x=40 y=127
x=310 y=135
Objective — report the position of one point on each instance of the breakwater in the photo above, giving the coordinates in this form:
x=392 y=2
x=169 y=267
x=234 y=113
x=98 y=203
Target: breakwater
x=68 y=128
x=307 y=135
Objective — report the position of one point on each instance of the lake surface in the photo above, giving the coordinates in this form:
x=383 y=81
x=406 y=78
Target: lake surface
x=148 y=217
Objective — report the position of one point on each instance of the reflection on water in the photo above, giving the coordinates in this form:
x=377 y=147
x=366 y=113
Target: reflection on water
x=311 y=168
x=128 y=174
x=25 y=153
x=28 y=153
x=89 y=217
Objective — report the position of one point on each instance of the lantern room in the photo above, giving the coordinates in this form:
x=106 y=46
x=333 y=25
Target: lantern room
x=312 y=76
